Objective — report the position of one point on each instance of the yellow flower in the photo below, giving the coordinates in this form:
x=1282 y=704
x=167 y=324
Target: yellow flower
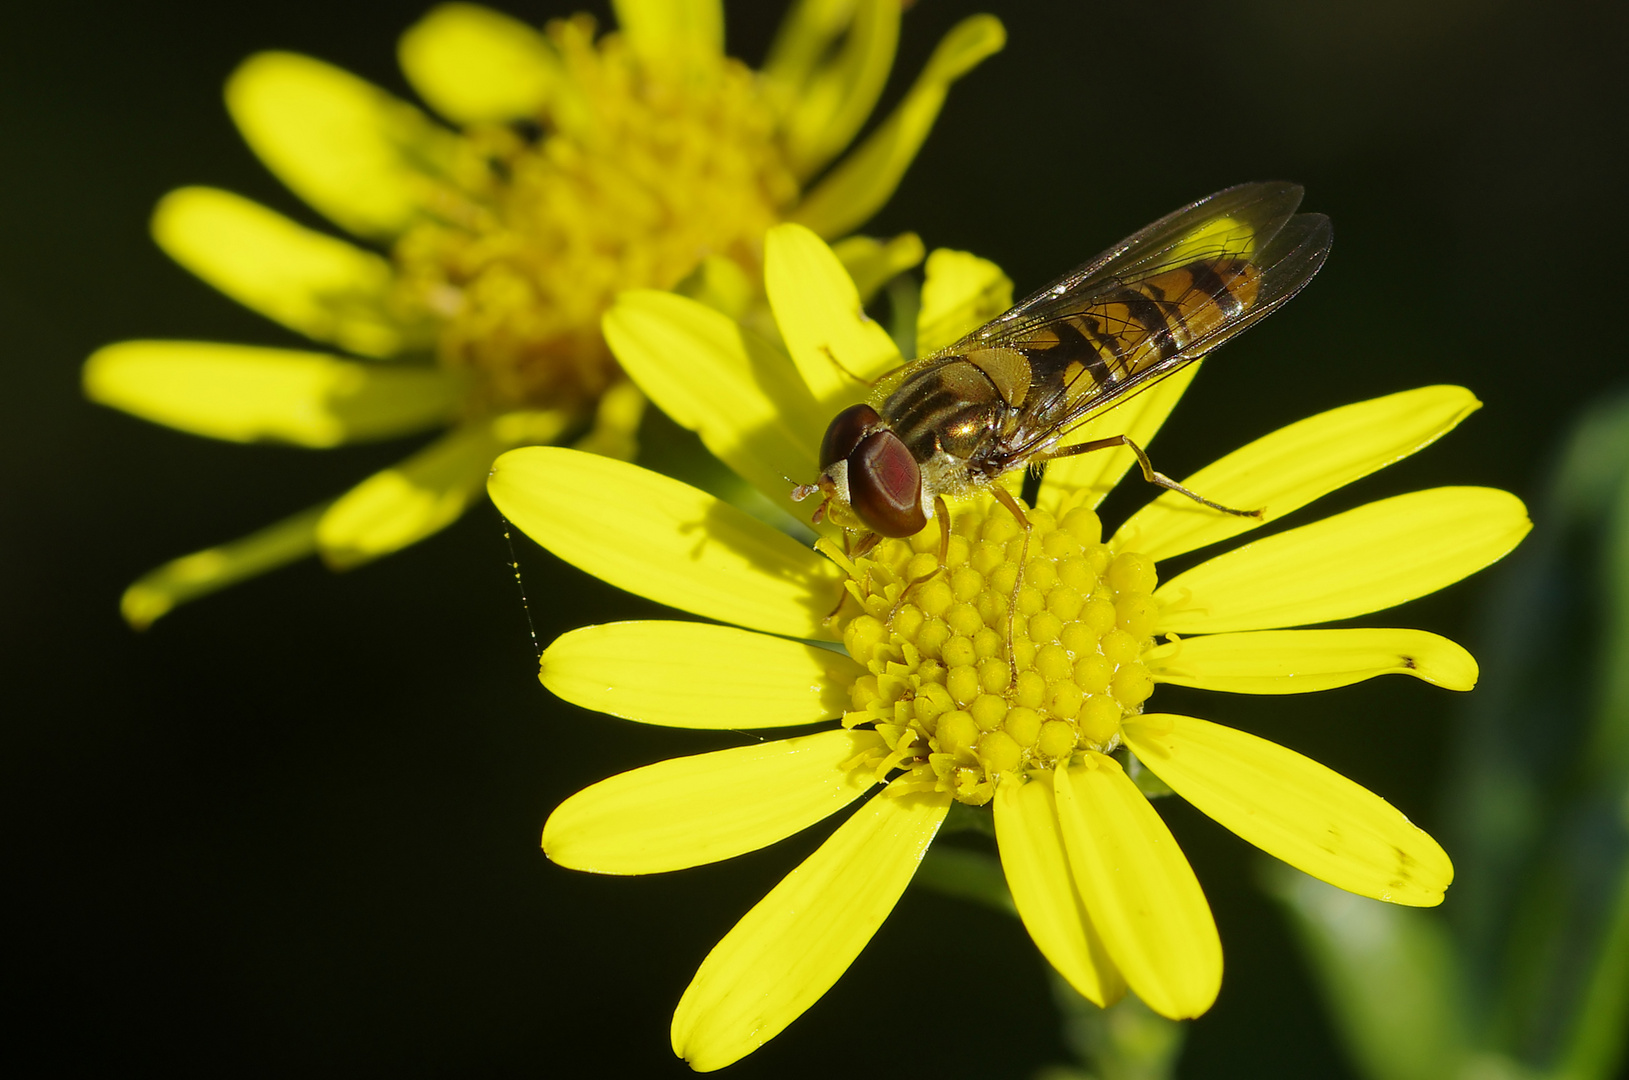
x=579 y=167
x=933 y=703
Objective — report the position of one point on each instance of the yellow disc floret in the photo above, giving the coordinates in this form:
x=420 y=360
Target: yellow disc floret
x=634 y=171
x=1007 y=658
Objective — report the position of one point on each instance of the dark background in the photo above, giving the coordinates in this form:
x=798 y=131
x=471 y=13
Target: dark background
x=294 y=826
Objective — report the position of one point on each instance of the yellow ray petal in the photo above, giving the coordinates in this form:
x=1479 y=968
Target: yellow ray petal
x=475 y=65
x=834 y=344
x=355 y=153
x=872 y=263
x=1043 y=889
x=1293 y=466
x=614 y=431
x=733 y=389
x=425 y=493
x=191 y=577
x=1139 y=889
x=1300 y=661
x=660 y=538
x=693 y=810
x=960 y=293
x=859 y=184
x=647 y=671
x=1363 y=560
x=669 y=31
x=838 y=87
x=1294 y=808
x=248 y=394
x=1141 y=418
x=791 y=947
x=324 y=288
x=805 y=37
x=721 y=284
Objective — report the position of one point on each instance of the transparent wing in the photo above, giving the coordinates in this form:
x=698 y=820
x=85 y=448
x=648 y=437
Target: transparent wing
x=1285 y=249
x=1256 y=213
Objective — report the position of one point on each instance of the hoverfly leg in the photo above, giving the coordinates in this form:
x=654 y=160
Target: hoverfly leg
x=1149 y=473
x=942 y=509
x=1005 y=498
x=838 y=364
x=842 y=598
x=851 y=551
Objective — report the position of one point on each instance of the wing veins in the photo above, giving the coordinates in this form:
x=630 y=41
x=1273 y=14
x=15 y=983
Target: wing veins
x=1288 y=260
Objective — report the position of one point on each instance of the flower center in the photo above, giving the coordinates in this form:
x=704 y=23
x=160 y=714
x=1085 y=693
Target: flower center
x=640 y=169
x=954 y=704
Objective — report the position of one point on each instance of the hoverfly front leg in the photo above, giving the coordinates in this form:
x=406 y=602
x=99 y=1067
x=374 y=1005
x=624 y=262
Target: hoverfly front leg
x=941 y=510
x=853 y=550
x=869 y=384
x=844 y=557
x=1149 y=472
x=1005 y=498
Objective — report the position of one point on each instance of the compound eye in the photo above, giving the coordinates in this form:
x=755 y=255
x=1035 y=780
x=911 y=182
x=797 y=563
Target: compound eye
x=885 y=486
x=844 y=433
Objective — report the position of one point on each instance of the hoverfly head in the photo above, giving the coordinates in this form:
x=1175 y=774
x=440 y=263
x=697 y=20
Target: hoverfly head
x=869 y=477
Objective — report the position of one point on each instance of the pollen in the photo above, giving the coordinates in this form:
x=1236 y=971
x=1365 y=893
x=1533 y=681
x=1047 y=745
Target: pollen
x=1004 y=658
x=637 y=169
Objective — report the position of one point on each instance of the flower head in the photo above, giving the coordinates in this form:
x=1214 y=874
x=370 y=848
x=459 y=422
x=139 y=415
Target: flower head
x=1006 y=667
x=580 y=164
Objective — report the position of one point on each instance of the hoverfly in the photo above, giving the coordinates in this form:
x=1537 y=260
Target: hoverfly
x=1005 y=396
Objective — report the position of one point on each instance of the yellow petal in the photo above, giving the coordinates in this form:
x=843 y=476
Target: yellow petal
x=828 y=106
x=324 y=288
x=424 y=494
x=736 y=391
x=805 y=37
x=859 y=184
x=1293 y=466
x=1139 y=889
x=873 y=264
x=1363 y=560
x=1300 y=661
x=1140 y=418
x=647 y=671
x=668 y=31
x=474 y=65
x=355 y=153
x=247 y=394
x=1294 y=808
x=960 y=293
x=721 y=284
x=835 y=345
x=1043 y=890
x=663 y=539
x=190 y=577
x=791 y=947
x=693 y=810
x=615 y=428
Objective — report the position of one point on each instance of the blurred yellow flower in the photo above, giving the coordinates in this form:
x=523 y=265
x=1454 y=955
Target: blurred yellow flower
x=942 y=694
x=579 y=166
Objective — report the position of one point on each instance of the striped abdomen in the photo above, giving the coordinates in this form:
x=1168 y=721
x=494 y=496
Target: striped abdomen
x=1138 y=326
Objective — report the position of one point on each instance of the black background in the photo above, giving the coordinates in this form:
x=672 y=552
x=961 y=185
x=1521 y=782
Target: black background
x=295 y=826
